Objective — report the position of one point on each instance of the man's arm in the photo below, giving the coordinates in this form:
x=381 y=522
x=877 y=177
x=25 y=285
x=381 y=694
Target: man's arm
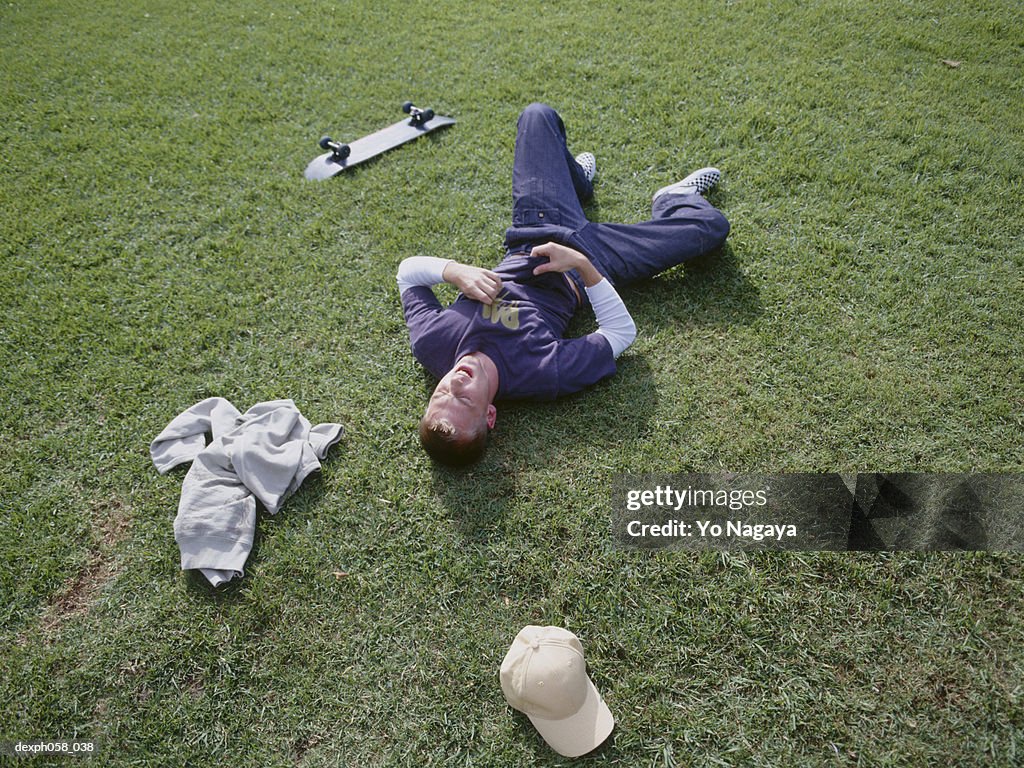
x=483 y=285
x=613 y=319
x=420 y=270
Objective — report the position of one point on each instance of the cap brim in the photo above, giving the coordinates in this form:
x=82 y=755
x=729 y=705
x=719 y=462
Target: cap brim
x=579 y=733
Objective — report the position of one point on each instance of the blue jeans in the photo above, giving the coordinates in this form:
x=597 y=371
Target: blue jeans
x=548 y=192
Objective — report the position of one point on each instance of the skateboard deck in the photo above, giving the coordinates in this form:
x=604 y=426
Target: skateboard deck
x=341 y=156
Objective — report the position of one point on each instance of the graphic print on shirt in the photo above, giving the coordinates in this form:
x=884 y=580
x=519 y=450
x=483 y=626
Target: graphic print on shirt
x=502 y=310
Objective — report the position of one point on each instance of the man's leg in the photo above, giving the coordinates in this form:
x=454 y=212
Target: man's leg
x=682 y=227
x=548 y=185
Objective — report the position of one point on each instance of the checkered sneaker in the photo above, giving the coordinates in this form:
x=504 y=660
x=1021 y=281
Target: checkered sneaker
x=697 y=182
x=589 y=165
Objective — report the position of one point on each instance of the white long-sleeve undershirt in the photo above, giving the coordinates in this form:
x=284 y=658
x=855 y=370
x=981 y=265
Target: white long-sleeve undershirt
x=420 y=270
x=613 y=319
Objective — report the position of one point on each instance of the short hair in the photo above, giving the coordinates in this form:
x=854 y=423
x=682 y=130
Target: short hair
x=447 y=444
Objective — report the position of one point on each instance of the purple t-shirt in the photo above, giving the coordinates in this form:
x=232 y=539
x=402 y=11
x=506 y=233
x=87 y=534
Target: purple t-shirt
x=521 y=331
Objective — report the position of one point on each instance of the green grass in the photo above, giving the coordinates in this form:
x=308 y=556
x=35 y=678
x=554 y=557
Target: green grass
x=159 y=245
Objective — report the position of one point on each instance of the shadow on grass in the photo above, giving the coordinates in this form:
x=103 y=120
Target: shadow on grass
x=477 y=497
x=611 y=414
x=543 y=751
x=709 y=291
x=534 y=435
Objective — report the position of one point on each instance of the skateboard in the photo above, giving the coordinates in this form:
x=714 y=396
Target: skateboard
x=341 y=156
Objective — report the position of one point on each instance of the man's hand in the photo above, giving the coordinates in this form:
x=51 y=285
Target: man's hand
x=562 y=258
x=474 y=282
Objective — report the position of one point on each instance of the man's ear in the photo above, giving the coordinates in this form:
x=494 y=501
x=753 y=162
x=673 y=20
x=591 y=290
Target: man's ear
x=492 y=416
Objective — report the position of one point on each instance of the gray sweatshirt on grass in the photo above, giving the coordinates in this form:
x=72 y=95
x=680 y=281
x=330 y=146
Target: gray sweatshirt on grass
x=263 y=454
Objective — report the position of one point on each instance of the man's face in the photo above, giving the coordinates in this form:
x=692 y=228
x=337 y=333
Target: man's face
x=463 y=397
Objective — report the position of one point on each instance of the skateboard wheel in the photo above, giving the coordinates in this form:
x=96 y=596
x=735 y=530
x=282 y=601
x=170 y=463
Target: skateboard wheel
x=426 y=115
x=325 y=142
x=407 y=107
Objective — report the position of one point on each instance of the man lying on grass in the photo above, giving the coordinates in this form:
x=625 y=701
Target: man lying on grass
x=503 y=337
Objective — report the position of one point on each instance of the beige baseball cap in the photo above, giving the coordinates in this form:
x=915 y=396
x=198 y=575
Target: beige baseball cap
x=545 y=676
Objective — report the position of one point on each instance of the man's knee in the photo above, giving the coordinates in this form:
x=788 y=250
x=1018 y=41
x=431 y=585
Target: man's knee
x=540 y=114
x=719 y=226
x=699 y=216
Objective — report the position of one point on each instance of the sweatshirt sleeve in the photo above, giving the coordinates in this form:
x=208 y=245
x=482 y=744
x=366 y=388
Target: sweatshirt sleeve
x=613 y=319
x=185 y=437
x=420 y=270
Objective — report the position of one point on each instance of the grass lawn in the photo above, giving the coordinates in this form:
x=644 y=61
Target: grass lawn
x=159 y=245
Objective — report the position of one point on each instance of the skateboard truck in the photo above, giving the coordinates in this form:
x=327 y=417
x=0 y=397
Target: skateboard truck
x=419 y=116
x=338 y=151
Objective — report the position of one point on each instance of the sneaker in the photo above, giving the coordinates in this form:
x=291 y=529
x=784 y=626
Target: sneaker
x=589 y=165
x=697 y=182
